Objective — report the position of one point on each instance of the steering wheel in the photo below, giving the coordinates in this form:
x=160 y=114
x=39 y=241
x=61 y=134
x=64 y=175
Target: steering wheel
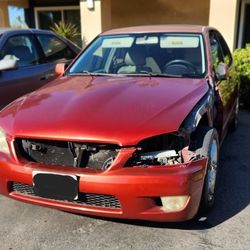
x=188 y=65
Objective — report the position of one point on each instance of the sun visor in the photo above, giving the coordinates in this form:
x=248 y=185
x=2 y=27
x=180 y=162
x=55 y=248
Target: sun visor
x=118 y=42
x=179 y=42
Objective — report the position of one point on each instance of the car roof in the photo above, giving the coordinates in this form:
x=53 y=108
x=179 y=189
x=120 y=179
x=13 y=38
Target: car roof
x=2 y=30
x=158 y=29
x=12 y=30
x=6 y=32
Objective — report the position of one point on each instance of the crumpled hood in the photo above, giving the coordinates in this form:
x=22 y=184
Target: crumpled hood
x=122 y=110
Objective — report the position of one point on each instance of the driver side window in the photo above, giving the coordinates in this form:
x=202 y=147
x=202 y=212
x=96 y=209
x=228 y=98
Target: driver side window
x=21 y=49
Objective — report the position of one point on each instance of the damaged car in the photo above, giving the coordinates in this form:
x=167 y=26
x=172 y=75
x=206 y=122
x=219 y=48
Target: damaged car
x=131 y=129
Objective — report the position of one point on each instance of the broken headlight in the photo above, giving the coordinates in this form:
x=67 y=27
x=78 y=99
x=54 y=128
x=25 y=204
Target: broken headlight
x=163 y=149
x=163 y=157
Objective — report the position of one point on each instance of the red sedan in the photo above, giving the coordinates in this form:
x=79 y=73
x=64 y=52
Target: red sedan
x=131 y=129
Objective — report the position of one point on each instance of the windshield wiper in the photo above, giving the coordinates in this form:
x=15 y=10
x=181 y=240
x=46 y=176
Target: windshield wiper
x=141 y=73
x=151 y=74
x=85 y=72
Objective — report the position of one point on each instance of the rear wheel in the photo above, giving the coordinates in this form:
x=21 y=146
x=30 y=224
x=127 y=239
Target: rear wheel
x=208 y=146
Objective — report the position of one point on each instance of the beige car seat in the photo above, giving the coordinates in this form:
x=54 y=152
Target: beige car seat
x=136 y=62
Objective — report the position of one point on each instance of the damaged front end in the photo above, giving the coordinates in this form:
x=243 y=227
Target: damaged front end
x=179 y=147
x=163 y=150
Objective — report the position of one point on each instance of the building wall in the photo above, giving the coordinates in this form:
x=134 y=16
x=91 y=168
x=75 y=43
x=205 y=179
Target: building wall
x=109 y=14
x=18 y=3
x=224 y=17
x=106 y=17
x=4 y=16
x=41 y=3
x=91 y=21
x=222 y=14
x=141 y=12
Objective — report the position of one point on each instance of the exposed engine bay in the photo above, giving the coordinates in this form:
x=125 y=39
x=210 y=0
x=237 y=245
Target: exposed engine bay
x=162 y=150
x=67 y=153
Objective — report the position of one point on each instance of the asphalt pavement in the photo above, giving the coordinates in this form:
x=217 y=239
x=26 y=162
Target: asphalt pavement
x=25 y=226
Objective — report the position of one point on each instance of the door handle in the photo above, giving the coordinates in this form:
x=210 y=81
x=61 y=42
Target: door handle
x=46 y=77
x=43 y=78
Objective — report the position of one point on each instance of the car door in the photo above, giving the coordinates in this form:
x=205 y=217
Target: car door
x=226 y=88
x=232 y=78
x=30 y=72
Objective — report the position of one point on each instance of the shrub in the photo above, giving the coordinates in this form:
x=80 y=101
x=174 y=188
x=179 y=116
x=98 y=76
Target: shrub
x=67 y=30
x=242 y=63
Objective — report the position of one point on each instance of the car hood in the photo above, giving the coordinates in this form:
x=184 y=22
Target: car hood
x=120 y=110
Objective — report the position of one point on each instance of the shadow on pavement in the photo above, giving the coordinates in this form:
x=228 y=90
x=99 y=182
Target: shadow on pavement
x=233 y=190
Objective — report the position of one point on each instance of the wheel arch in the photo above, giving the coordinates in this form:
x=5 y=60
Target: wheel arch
x=201 y=115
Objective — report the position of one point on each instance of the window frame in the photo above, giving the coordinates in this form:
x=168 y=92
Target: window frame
x=242 y=23
x=53 y=8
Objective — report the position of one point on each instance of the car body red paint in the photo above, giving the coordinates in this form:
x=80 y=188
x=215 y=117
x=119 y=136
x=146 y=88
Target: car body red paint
x=106 y=100
x=121 y=111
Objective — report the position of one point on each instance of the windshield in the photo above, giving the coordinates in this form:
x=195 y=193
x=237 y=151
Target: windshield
x=174 y=54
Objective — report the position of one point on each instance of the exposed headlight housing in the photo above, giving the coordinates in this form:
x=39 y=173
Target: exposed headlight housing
x=4 y=148
x=163 y=149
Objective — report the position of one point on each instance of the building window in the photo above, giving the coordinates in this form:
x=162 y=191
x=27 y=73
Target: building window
x=244 y=28
x=17 y=17
x=46 y=17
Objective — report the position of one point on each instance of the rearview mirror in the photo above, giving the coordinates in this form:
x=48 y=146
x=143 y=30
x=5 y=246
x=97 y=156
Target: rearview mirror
x=60 y=69
x=221 y=71
x=7 y=64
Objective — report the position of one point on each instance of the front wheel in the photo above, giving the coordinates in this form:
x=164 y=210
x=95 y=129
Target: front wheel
x=208 y=146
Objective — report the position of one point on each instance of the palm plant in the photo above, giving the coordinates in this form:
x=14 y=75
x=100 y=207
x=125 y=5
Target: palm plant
x=67 y=30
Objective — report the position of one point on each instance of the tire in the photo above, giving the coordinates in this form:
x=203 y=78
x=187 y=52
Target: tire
x=207 y=145
x=234 y=123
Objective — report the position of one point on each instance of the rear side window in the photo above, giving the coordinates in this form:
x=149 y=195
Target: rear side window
x=55 y=49
x=22 y=48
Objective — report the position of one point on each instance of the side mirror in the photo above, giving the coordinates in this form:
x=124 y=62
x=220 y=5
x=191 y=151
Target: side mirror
x=60 y=69
x=221 y=72
x=7 y=64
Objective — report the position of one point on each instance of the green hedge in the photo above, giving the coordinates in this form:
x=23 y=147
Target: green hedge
x=242 y=63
